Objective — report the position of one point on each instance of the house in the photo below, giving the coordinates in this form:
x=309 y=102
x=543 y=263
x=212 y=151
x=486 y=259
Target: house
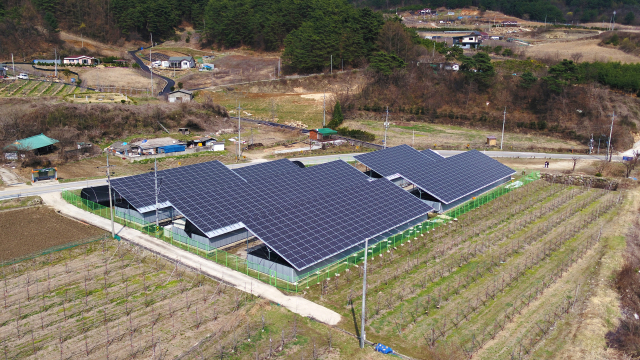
x=120 y=148
x=180 y=95
x=206 y=142
x=492 y=141
x=155 y=146
x=80 y=60
x=323 y=134
x=39 y=144
x=510 y=23
x=472 y=40
x=182 y=62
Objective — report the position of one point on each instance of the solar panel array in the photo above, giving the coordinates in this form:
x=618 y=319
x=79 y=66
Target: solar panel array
x=325 y=225
x=388 y=161
x=447 y=179
x=432 y=154
x=305 y=215
x=266 y=169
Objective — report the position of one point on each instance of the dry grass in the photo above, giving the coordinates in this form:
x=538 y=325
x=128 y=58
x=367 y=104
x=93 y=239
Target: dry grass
x=120 y=77
x=588 y=48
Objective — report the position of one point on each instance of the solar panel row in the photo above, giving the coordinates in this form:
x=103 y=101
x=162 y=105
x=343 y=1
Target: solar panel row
x=304 y=215
x=446 y=179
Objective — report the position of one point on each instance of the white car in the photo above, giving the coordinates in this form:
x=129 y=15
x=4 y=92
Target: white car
x=23 y=76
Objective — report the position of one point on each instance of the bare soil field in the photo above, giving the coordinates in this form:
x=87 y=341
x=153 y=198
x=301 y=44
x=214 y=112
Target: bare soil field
x=26 y=231
x=588 y=48
x=231 y=69
x=77 y=42
x=119 y=77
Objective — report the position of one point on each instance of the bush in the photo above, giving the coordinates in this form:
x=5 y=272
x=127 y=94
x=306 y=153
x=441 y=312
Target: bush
x=356 y=134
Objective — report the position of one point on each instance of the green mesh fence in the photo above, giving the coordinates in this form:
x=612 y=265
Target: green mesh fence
x=54 y=249
x=285 y=281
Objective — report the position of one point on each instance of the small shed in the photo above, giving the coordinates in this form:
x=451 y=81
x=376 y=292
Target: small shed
x=492 y=141
x=184 y=131
x=39 y=144
x=323 y=134
x=180 y=96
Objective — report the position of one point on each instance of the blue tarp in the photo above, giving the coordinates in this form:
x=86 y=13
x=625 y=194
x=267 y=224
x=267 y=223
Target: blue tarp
x=171 y=148
x=383 y=349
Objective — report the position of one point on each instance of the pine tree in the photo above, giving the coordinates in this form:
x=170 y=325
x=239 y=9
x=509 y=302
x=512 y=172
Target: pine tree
x=336 y=118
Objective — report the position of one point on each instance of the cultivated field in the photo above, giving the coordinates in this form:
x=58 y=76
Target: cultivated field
x=459 y=287
x=35 y=88
x=231 y=69
x=27 y=231
x=112 y=300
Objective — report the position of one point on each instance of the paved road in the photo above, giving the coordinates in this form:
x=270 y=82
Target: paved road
x=51 y=187
x=145 y=68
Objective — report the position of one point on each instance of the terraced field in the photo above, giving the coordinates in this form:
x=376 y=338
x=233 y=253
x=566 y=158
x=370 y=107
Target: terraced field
x=34 y=88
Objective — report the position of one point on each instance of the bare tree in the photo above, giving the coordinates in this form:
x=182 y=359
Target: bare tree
x=576 y=57
x=575 y=160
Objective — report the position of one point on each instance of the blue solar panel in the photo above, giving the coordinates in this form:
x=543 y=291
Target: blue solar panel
x=309 y=232
x=387 y=162
x=305 y=215
x=266 y=169
x=446 y=179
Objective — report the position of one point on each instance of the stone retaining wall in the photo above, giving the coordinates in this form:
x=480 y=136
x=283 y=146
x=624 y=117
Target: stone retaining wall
x=582 y=180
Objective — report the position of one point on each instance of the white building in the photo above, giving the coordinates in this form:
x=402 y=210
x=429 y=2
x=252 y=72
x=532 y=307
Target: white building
x=182 y=62
x=81 y=60
x=180 y=95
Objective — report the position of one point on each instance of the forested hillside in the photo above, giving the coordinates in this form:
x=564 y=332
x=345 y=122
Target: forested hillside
x=309 y=29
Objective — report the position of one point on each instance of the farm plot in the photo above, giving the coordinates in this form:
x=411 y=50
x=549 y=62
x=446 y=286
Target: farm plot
x=110 y=299
x=462 y=283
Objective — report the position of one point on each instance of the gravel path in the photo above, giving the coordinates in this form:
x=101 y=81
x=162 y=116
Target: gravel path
x=240 y=281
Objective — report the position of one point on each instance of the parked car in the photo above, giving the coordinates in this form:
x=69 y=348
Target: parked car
x=23 y=76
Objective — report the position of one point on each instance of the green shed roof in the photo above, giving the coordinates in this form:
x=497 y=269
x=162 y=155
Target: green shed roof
x=326 y=131
x=31 y=143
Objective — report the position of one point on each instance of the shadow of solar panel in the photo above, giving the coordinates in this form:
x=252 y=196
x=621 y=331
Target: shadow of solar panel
x=309 y=233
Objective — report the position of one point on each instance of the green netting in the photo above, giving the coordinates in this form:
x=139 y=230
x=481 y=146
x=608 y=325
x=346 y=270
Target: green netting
x=285 y=281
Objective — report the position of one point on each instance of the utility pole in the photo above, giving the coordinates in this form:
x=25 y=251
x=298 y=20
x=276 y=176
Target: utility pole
x=503 y=121
x=239 y=146
x=610 y=133
x=108 y=167
x=279 y=60
x=324 y=109
x=364 y=294
x=613 y=21
x=386 y=127
x=151 y=65
x=55 y=61
x=155 y=175
x=413 y=140
x=14 y=65
x=331 y=68
x=82 y=39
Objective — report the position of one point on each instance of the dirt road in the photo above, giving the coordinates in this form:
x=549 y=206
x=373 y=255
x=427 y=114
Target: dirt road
x=240 y=281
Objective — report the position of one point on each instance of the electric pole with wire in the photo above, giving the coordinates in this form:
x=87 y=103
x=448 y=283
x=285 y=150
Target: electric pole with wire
x=108 y=167
x=364 y=294
x=151 y=65
x=386 y=127
x=324 y=109
x=504 y=119
x=613 y=116
x=155 y=176
x=239 y=145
